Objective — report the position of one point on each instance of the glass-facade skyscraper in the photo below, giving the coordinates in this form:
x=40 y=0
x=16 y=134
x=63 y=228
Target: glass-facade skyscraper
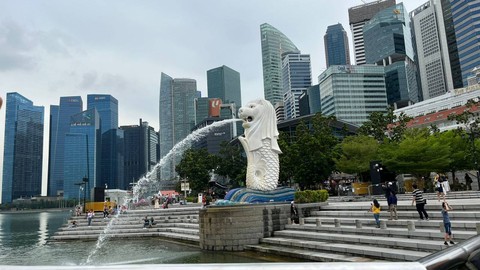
x=177 y=114
x=297 y=77
x=357 y=17
x=274 y=45
x=224 y=83
x=388 y=43
x=141 y=152
x=352 y=93
x=82 y=153
x=23 y=148
x=59 y=126
x=107 y=108
x=466 y=16
x=336 y=46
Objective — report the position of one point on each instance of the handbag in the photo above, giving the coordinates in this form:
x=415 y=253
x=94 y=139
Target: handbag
x=425 y=201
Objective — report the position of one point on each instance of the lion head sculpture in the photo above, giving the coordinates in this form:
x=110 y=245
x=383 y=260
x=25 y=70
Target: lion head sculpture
x=259 y=122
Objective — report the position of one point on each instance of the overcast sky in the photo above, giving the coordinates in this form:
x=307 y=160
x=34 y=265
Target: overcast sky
x=54 y=48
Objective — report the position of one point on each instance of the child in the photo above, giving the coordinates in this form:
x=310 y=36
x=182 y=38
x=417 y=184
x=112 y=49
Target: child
x=446 y=223
x=375 y=209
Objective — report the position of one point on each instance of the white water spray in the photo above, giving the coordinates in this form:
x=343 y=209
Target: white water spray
x=143 y=185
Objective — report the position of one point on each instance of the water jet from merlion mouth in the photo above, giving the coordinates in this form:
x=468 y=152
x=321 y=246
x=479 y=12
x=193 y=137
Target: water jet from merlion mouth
x=148 y=184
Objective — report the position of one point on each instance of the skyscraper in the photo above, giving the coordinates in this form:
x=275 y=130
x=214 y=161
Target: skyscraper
x=388 y=43
x=141 y=152
x=224 y=83
x=107 y=108
x=177 y=113
x=112 y=159
x=358 y=16
x=336 y=46
x=23 y=148
x=431 y=47
x=274 y=44
x=82 y=153
x=354 y=101
x=59 y=126
x=297 y=77
x=467 y=30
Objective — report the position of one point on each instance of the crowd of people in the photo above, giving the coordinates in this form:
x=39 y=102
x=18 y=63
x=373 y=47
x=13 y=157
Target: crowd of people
x=440 y=183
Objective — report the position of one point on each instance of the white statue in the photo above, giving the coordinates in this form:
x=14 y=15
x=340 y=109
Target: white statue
x=260 y=144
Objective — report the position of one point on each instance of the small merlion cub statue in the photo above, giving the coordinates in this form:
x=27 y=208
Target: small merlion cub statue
x=260 y=144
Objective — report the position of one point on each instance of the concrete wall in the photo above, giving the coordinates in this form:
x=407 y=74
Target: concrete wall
x=232 y=227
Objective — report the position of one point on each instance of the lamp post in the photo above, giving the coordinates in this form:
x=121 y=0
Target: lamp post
x=472 y=129
x=80 y=188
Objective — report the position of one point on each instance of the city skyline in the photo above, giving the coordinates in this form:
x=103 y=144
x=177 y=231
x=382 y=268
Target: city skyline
x=52 y=49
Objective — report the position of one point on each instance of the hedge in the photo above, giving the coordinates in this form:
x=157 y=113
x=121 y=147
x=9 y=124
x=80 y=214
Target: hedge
x=311 y=196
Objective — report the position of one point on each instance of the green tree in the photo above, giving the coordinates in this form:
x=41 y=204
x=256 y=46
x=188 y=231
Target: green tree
x=417 y=153
x=287 y=159
x=356 y=154
x=315 y=152
x=382 y=126
x=196 y=165
x=232 y=163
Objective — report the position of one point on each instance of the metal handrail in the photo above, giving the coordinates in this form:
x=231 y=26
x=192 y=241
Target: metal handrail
x=451 y=258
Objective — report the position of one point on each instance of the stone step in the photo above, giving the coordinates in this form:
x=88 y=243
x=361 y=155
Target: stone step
x=465 y=215
x=457 y=225
x=419 y=234
x=188 y=238
x=306 y=254
x=408 y=208
x=392 y=254
x=180 y=231
x=371 y=240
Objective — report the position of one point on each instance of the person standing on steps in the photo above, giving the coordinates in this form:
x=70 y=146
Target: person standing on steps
x=446 y=223
x=375 y=209
x=90 y=216
x=392 y=204
x=419 y=201
x=294 y=213
x=468 y=181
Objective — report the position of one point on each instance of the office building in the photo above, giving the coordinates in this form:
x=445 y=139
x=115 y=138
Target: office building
x=177 y=114
x=466 y=17
x=274 y=45
x=23 y=148
x=431 y=49
x=141 y=152
x=357 y=17
x=352 y=93
x=337 y=51
x=224 y=83
x=112 y=159
x=82 y=154
x=297 y=77
x=388 y=43
x=59 y=126
x=107 y=108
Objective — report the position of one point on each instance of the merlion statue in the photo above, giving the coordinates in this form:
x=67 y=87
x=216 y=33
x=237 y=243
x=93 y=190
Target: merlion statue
x=260 y=144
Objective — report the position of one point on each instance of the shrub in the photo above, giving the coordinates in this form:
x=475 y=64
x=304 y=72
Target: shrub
x=311 y=196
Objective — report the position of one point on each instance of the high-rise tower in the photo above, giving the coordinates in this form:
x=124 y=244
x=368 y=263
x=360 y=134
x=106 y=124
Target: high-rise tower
x=23 y=148
x=177 y=113
x=431 y=47
x=59 y=126
x=107 y=108
x=336 y=46
x=358 y=16
x=297 y=77
x=467 y=30
x=388 y=43
x=274 y=44
x=224 y=83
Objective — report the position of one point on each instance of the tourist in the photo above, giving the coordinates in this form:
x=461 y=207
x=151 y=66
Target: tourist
x=294 y=213
x=446 y=223
x=419 y=201
x=392 y=204
x=90 y=216
x=78 y=210
x=437 y=182
x=146 y=222
x=152 y=222
x=123 y=209
x=73 y=224
x=375 y=209
x=105 y=210
x=468 y=181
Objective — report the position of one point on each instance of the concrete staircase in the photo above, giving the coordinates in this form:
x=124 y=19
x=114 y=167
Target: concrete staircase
x=177 y=224
x=346 y=232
